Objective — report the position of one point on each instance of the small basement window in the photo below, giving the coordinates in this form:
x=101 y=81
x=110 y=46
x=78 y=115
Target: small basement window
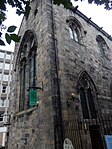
x=4 y=89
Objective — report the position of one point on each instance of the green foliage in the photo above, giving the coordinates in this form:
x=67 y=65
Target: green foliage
x=3 y=5
x=27 y=9
x=8 y=38
x=22 y=7
x=67 y=4
x=11 y=28
x=2 y=17
x=15 y=37
x=2 y=43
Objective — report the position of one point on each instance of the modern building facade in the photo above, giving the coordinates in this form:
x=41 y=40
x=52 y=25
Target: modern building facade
x=6 y=62
x=61 y=93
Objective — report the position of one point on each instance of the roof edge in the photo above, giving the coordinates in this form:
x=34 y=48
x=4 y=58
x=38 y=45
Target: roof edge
x=88 y=20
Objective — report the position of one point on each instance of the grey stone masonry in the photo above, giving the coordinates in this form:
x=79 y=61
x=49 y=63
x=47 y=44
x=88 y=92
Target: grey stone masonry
x=59 y=62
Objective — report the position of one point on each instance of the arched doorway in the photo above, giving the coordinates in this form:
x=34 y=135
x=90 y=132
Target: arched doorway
x=87 y=95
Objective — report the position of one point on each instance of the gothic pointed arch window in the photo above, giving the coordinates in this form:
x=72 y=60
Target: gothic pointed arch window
x=22 y=82
x=27 y=68
x=74 y=33
x=32 y=68
x=74 y=29
x=104 y=49
x=87 y=93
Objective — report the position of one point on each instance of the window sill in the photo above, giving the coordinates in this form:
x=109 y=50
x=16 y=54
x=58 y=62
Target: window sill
x=30 y=110
x=79 y=43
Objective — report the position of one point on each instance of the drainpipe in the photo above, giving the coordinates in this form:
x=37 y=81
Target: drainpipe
x=56 y=101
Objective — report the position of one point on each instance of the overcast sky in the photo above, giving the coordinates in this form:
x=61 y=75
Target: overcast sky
x=98 y=14
x=12 y=19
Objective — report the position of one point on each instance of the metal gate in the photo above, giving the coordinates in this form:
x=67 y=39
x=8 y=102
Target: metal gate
x=88 y=133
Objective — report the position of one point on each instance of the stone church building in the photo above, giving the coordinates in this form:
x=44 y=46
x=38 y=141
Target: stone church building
x=61 y=94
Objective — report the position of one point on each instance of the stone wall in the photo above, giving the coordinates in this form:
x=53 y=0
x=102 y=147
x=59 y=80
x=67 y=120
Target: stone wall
x=59 y=60
x=33 y=128
x=74 y=58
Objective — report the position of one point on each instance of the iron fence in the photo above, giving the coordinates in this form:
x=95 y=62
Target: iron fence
x=88 y=133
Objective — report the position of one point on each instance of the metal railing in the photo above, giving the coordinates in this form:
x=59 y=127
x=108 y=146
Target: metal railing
x=88 y=133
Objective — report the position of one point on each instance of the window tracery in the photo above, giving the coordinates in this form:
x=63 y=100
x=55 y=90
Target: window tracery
x=105 y=51
x=27 y=68
x=87 y=96
x=74 y=29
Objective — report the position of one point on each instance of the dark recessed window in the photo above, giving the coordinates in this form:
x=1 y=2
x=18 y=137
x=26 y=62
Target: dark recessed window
x=4 y=89
x=87 y=96
x=104 y=49
x=27 y=70
x=1 y=116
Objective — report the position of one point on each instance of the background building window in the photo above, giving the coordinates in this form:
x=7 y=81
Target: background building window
x=4 y=89
x=2 y=103
x=8 y=56
x=7 y=66
x=2 y=54
x=1 y=116
x=1 y=65
x=5 y=77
